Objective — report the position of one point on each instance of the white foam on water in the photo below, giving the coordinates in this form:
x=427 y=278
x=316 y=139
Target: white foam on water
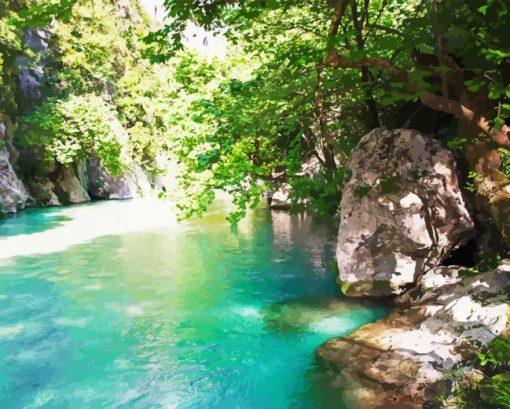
x=93 y=287
x=134 y=310
x=71 y=322
x=42 y=398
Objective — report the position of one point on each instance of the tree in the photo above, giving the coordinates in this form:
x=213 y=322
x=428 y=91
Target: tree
x=450 y=56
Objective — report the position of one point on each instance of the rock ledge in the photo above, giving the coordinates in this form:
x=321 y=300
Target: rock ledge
x=403 y=360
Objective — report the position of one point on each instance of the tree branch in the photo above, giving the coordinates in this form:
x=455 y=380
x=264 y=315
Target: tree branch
x=439 y=103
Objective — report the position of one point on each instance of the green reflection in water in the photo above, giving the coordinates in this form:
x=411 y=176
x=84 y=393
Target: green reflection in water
x=194 y=316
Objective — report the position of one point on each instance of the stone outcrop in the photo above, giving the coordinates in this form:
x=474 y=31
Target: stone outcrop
x=68 y=187
x=402 y=212
x=31 y=72
x=102 y=185
x=42 y=190
x=280 y=199
x=13 y=195
x=406 y=359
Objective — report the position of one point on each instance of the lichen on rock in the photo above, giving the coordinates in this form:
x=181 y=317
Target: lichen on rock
x=402 y=212
x=405 y=358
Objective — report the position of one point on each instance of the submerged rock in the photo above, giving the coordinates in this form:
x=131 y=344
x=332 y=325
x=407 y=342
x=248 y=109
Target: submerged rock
x=13 y=195
x=405 y=360
x=306 y=313
x=402 y=212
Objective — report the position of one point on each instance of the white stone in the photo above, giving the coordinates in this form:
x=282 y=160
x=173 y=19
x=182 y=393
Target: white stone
x=412 y=217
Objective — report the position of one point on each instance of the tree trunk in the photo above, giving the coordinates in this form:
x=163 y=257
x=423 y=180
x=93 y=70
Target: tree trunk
x=491 y=184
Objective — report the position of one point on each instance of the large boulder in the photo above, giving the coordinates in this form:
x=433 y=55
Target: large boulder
x=102 y=185
x=13 y=195
x=406 y=359
x=402 y=212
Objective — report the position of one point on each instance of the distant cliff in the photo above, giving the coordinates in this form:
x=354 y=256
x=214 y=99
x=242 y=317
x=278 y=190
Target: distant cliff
x=73 y=123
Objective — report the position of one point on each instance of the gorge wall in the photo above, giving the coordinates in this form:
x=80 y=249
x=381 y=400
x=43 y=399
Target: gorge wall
x=51 y=75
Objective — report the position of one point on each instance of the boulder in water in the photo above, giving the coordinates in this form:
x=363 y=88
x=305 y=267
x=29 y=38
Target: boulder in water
x=42 y=191
x=68 y=187
x=402 y=212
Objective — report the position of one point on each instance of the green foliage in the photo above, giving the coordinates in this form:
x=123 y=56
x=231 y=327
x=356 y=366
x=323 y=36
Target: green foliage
x=361 y=191
x=456 y=143
x=102 y=97
x=248 y=121
x=10 y=46
x=495 y=391
x=72 y=129
x=497 y=355
x=505 y=161
x=288 y=105
x=470 y=185
x=489 y=388
x=40 y=14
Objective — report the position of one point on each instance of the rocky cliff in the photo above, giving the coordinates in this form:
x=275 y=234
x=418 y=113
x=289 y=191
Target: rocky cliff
x=45 y=65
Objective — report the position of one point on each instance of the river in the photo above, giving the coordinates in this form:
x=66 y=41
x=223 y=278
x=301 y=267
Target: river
x=116 y=305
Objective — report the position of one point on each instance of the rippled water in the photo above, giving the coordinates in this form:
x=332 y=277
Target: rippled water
x=114 y=305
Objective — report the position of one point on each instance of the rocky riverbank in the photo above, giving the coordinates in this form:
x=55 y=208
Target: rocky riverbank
x=408 y=359
x=403 y=213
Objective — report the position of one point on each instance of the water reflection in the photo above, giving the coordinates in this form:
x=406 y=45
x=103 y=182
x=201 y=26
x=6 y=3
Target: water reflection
x=32 y=221
x=188 y=316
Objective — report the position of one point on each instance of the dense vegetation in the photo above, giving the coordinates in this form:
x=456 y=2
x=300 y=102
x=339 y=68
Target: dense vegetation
x=300 y=82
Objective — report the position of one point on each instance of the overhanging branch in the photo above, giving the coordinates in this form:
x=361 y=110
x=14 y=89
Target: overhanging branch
x=439 y=103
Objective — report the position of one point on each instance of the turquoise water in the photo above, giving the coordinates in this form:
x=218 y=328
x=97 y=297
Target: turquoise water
x=150 y=314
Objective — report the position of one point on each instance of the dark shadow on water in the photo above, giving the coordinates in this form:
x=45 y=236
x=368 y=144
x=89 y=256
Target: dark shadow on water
x=32 y=221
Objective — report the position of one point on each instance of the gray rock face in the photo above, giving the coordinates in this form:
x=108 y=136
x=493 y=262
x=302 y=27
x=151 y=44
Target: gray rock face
x=42 y=190
x=102 y=185
x=68 y=187
x=402 y=212
x=30 y=73
x=407 y=358
x=13 y=195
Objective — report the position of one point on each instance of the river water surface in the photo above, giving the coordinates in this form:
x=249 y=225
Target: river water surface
x=116 y=305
